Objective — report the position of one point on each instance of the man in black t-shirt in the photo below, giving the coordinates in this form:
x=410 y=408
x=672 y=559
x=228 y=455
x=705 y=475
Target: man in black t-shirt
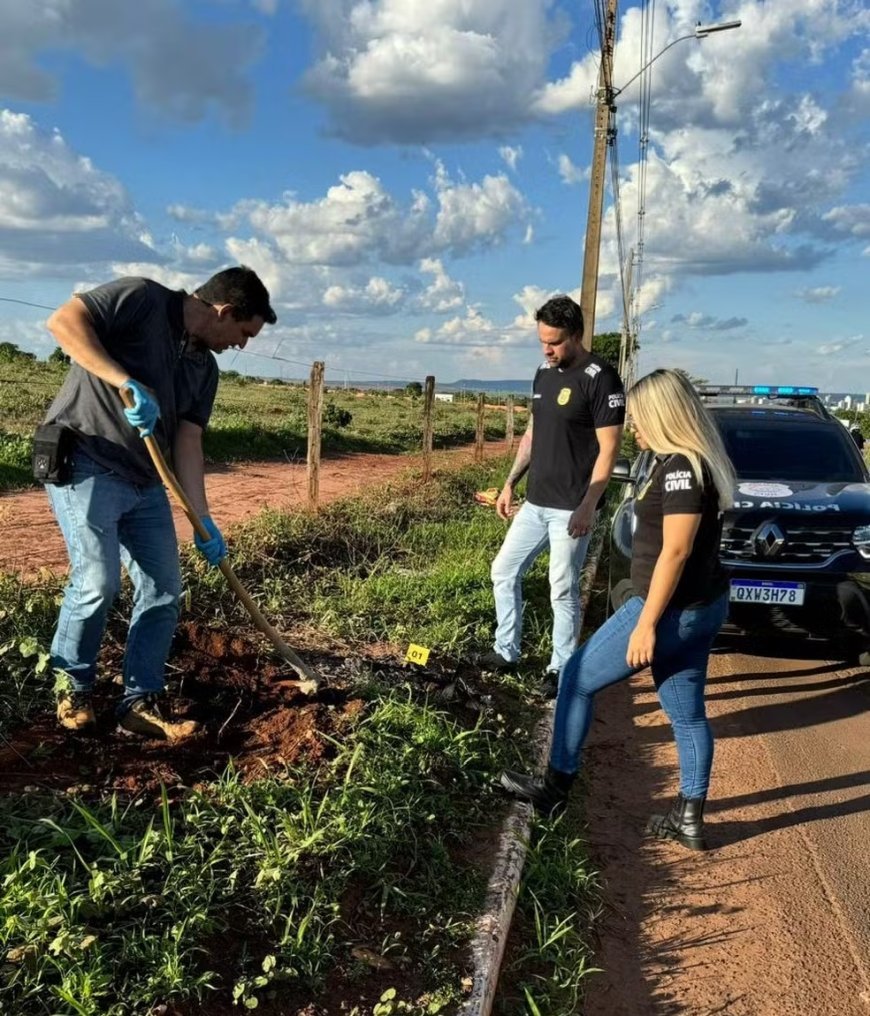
x=137 y=335
x=568 y=450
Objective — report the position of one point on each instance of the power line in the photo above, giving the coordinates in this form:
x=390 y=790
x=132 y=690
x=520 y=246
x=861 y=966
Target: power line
x=248 y=352
x=302 y=363
x=26 y=303
x=644 y=107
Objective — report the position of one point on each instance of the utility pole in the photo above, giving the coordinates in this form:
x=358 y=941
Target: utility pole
x=603 y=133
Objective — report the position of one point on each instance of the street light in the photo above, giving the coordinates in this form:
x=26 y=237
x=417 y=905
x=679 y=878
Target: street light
x=701 y=32
x=604 y=132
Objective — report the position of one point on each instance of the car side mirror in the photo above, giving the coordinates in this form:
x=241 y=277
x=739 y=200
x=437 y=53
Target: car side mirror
x=622 y=472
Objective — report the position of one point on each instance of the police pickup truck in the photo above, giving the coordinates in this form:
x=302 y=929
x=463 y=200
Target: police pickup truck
x=796 y=544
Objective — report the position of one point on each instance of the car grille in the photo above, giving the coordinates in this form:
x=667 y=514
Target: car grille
x=804 y=544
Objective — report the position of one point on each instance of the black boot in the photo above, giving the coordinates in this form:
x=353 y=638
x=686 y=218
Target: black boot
x=683 y=823
x=548 y=794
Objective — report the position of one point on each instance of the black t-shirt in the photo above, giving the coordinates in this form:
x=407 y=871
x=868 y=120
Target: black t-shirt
x=567 y=407
x=141 y=325
x=673 y=489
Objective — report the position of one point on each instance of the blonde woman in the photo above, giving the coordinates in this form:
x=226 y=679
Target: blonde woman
x=679 y=605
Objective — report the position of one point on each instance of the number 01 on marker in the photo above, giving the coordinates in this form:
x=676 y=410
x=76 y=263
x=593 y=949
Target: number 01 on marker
x=417 y=654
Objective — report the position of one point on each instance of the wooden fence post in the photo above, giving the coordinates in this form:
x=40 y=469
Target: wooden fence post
x=315 y=429
x=509 y=422
x=428 y=426
x=478 y=438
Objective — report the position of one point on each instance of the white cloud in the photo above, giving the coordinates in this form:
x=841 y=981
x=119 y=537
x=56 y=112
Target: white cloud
x=818 y=294
x=828 y=348
x=57 y=210
x=709 y=323
x=406 y=71
x=472 y=215
x=511 y=156
x=184 y=213
x=199 y=253
x=739 y=169
x=854 y=220
x=570 y=173
x=179 y=65
x=377 y=296
x=443 y=294
x=358 y=221
x=473 y=329
x=460 y=329
x=718 y=201
x=575 y=91
x=859 y=98
x=167 y=276
x=268 y=262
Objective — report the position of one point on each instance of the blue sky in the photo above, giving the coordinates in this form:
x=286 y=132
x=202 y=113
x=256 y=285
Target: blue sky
x=410 y=178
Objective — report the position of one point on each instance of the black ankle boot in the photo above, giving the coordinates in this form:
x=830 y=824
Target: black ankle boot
x=548 y=794
x=683 y=823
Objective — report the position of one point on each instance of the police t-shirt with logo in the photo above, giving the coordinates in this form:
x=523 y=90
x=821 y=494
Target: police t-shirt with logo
x=567 y=407
x=674 y=489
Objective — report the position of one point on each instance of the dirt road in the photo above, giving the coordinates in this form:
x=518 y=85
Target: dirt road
x=775 y=921
x=30 y=539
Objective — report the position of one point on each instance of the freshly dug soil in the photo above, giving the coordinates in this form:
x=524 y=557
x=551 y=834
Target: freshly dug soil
x=248 y=706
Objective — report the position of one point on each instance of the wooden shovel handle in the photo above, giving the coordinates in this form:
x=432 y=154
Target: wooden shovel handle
x=310 y=681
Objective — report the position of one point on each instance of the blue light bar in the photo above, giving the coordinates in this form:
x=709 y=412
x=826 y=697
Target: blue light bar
x=783 y=390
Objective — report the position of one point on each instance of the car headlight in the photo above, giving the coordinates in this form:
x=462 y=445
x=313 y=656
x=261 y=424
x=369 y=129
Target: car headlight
x=861 y=541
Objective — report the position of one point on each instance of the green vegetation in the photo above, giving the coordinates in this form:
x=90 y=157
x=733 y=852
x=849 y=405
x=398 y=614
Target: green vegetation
x=560 y=895
x=261 y=890
x=252 y=420
x=113 y=908
x=389 y=567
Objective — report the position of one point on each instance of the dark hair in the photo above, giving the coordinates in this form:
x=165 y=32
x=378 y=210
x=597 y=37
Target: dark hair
x=242 y=288
x=561 y=312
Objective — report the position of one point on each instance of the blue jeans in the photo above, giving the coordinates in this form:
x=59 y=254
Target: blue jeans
x=679 y=669
x=106 y=520
x=531 y=531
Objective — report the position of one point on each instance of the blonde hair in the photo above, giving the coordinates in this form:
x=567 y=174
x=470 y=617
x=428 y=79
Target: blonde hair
x=674 y=421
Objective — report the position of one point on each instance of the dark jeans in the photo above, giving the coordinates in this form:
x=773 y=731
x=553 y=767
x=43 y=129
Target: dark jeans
x=679 y=669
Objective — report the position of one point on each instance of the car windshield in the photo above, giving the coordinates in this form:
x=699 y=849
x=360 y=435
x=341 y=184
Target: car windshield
x=771 y=449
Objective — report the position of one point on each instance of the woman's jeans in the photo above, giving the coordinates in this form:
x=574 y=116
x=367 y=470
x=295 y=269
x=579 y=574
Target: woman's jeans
x=531 y=532
x=105 y=521
x=679 y=669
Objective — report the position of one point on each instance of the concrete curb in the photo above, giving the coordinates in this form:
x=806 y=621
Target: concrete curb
x=493 y=926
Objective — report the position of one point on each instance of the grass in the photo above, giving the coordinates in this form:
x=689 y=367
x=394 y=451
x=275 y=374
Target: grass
x=113 y=906
x=549 y=953
x=253 y=420
x=111 y=909
x=391 y=566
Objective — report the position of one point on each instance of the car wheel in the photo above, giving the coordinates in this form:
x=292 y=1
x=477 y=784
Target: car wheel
x=621 y=593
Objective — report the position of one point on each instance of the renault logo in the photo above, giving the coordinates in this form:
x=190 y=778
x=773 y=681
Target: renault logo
x=768 y=540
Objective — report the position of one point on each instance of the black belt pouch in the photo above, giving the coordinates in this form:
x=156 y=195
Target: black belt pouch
x=52 y=453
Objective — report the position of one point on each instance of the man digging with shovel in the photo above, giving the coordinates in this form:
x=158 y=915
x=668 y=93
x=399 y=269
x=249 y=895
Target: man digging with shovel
x=156 y=344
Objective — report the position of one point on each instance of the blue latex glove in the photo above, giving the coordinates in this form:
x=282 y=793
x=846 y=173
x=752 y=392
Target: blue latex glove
x=145 y=412
x=214 y=549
